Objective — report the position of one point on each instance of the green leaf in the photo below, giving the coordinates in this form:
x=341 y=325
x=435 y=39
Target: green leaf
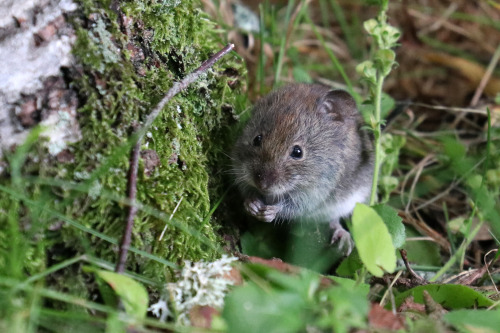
x=422 y=252
x=393 y=223
x=133 y=295
x=255 y=246
x=385 y=60
x=301 y=75
x=474 y=320
x=363 y=288
x=367 y=109
x=253 y=309
x=350 y=265
x=451 y=296
x=349 y=306
x=387 y=104
x=370 y=26
x=367 y=70
x=373 y=240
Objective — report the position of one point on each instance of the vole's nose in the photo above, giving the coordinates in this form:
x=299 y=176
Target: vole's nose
x=265 y=178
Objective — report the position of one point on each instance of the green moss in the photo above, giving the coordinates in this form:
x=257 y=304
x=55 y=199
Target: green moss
x=175 y=38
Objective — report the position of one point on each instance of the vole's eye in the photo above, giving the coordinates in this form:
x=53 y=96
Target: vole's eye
x=257 y=141
x=297 y=152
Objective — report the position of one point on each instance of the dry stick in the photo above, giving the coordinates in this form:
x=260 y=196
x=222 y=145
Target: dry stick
x=134 y=155
x=410 y=270
x=486 y=77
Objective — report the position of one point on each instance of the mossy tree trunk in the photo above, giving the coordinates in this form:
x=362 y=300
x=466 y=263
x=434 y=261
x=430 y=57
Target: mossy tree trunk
x=94 y=70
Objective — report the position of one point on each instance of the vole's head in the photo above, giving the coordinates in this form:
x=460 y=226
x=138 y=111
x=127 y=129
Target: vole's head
x=297 y=139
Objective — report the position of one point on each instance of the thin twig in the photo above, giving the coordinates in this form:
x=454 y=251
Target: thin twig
x=487 y=264
x=134 y=156
x=486 y=77
x=445 y=108
x=389 y=291
x=410 y=270
x=427 y=160
x=132 y=191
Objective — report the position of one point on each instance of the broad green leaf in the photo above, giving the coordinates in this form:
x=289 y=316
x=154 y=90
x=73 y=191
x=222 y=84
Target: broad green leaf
x=253 y=309
x=393 y=224
x=350 y=265
x=451 y=296
x=132 y=293
x=373 y=240
x=474 y=320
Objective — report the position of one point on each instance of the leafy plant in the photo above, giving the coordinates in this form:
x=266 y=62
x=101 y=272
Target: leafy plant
x=275 y=302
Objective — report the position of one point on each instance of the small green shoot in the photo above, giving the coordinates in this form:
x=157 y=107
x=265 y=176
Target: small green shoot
x=374 y=72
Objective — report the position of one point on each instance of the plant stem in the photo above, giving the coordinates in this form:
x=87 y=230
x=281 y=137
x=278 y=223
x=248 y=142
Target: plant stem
x=281 y=54
x=378 y=135
x=132 y=191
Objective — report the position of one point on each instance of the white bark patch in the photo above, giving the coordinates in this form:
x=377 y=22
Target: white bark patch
x=35 y=42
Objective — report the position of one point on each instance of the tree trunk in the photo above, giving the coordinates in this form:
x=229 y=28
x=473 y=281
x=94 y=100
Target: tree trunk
x=82 y=74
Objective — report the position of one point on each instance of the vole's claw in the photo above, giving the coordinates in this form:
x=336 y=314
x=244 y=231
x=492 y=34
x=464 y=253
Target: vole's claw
x=253 y=206
x=342 y=240
x=262 y=212
x=268 y=213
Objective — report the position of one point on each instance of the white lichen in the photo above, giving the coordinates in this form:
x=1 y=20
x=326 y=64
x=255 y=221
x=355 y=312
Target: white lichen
x=160 y=310
x=199 y=283
x=81 y=175
x=104 y=40
x=176 y=146
x=95 y=190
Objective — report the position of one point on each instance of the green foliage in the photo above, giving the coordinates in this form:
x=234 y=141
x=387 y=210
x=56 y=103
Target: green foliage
x=481 y=183
x=373 y=240
x=350 y=266
x=393 y=223
x=55 y=216
x=422 y=252
x=474 y=320
x=367 y=108
x=349 y=306
x=451 y=296
x=373 y=72
x=391 y=146
x=277 y=302
x=133 y=295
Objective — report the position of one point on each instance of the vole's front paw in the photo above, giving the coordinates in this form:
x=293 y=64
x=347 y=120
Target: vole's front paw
x=342 y=239
x=261 y=211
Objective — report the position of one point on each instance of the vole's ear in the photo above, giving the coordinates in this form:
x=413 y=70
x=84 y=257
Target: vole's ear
x=339 y=104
